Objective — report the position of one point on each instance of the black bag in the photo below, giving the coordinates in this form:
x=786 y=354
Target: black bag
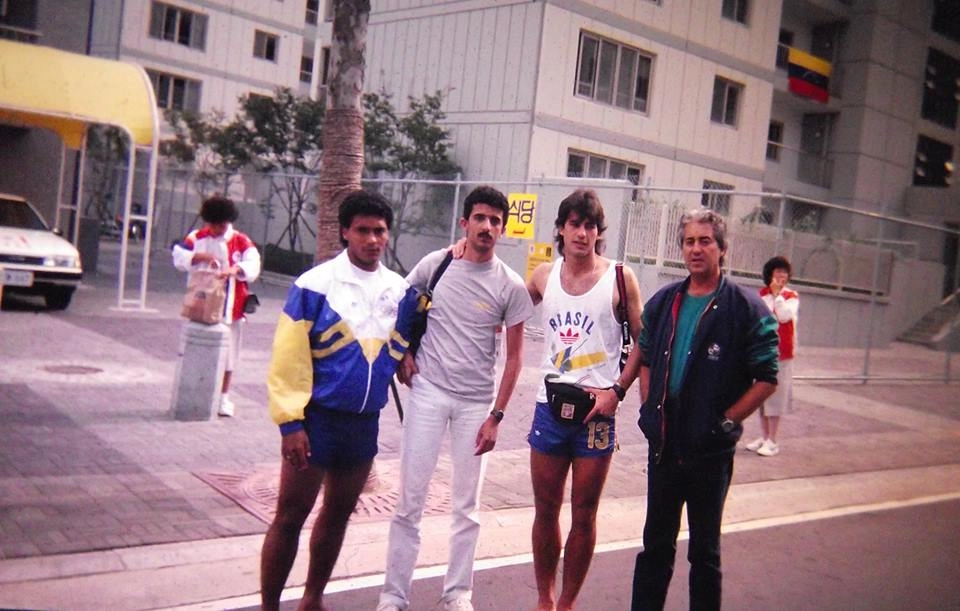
x=424 y=301
x=570 y=403
x=250 y=304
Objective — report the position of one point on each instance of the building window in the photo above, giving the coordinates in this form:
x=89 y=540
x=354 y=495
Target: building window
x=804 y=217
x=718 y=202
x=313 y=12
x=581 y=165
x=941 y=89
x=175 y=92
x=328 y=10
x=265 y=45
x=306 y=69
x=735 y=10
x=325 y=68
x=784 y=42
x=774 y=140
x=178 y=25
x=726 y=99
x=934 y=163
x=613 y=73
x=946 y=19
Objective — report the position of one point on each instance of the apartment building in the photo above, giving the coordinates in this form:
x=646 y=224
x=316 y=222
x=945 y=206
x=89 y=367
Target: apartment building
x=848 y=101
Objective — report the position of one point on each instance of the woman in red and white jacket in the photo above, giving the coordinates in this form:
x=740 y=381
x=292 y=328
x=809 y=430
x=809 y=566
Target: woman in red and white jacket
x=785 y=304
x=239 y=263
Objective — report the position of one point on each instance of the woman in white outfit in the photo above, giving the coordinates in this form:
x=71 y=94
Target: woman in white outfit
x=784 y=303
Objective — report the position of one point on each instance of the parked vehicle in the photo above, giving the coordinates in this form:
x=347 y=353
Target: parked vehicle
x=34 y=258
x=113 y=230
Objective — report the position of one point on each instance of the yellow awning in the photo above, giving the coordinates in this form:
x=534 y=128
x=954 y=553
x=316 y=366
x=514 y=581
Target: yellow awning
x=62 y=91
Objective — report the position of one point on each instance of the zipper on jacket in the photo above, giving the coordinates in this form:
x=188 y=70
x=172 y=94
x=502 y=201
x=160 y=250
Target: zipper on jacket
x=366 y=393
x=674 y=314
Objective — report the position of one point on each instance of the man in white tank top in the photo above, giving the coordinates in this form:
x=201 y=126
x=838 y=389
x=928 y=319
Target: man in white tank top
x=582 y=336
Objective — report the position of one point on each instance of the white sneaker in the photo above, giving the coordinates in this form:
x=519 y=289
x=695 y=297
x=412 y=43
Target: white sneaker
x=227 y=408
x=769 y=448
x=455 y=604
x=754 y=445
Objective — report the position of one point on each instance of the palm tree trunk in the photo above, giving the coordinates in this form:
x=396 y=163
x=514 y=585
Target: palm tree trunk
x=343 y=120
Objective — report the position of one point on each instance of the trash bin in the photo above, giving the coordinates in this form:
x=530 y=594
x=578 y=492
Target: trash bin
x=89 y=244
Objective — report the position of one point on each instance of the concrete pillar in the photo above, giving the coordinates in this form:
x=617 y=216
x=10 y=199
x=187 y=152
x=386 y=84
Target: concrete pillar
x=199 y=378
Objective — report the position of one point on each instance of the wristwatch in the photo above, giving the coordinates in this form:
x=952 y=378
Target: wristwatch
x=497 y=415
x=727 y=425
x=618 y=390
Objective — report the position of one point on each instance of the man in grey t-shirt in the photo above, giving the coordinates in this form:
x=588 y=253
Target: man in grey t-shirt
x=452 y=384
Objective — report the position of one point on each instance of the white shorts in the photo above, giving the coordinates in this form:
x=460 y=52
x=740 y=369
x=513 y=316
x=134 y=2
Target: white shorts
x=233 y=347
x=779 y=402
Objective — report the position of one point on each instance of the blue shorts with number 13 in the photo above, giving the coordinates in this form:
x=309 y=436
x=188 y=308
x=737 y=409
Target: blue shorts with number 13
x=595 y=438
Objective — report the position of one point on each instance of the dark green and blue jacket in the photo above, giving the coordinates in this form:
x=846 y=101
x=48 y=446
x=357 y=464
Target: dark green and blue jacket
x=734 y=345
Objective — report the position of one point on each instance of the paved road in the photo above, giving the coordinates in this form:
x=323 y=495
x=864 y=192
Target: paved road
x=902 y=558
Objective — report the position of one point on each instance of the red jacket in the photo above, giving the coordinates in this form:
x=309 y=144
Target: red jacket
x=785 y=312
x=232 y=248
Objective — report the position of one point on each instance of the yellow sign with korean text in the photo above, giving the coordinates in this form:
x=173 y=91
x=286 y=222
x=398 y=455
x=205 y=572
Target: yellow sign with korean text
x=537 y=253
x=521 y=215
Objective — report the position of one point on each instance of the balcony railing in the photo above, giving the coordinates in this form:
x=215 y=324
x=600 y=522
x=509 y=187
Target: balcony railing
x=9 y=32
x=804 y=166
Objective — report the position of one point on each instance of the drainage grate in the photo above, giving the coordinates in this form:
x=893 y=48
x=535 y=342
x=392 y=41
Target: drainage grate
x=256 y=492
x=79 y=370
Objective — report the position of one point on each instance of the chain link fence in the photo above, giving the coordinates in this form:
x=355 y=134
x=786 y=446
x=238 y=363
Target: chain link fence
x=867 y=280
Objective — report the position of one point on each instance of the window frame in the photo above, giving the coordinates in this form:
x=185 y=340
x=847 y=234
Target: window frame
x=178 y=25
x=324 y=65
x=941 y=89
x=735 y=10
x=306 y=71
x=924 y=159
x=266 y=46
x=603 y=76
x=632 y=171
x=165 y=85
x=774 y=140
x=312 y=12
x=720 y=203
x=725 y=109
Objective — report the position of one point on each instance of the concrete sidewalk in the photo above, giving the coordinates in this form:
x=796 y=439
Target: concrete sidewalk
x=107 y=502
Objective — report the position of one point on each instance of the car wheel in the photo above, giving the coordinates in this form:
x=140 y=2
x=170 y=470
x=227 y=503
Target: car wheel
x=58 y=298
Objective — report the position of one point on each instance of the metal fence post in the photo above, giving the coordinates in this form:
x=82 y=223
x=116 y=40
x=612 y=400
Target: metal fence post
x=662 y=233
x=453 y=209
x=873 y=297
x=781 y=215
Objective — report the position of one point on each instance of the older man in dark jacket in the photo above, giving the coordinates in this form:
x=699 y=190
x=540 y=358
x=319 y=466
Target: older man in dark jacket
x=709 y=353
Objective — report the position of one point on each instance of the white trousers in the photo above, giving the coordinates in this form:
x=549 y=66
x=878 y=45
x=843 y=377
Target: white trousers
x=430 y=413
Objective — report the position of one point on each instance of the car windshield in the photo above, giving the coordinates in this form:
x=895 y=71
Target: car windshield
x=19 y=215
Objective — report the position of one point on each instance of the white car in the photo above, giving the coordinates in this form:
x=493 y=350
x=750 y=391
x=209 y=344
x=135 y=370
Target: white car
x=34 y=259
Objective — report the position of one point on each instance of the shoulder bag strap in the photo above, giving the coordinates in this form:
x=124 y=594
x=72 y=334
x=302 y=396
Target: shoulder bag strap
x=433 y=284
x=436 y=275
x=626 y=338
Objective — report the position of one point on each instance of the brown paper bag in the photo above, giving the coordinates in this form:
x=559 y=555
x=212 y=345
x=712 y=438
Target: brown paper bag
x=206 y=294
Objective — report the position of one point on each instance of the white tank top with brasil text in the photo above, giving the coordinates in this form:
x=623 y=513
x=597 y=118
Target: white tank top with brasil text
x=581 y=334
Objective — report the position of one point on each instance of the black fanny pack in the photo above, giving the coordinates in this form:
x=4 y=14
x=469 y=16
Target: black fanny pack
x=569 y=403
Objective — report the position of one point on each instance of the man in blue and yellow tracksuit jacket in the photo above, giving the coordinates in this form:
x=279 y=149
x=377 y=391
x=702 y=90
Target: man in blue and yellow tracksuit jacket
x=344 y=328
